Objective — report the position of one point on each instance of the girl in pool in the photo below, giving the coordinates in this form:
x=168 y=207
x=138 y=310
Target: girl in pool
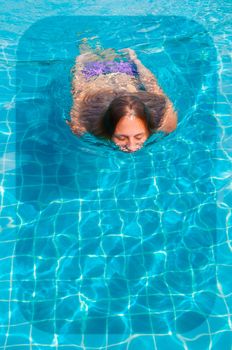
x=116 y=97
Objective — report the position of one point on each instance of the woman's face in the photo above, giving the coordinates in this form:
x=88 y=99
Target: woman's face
x=130 y=134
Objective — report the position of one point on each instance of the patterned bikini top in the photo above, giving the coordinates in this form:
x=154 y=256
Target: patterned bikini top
x=121 y=74
x=96 y=68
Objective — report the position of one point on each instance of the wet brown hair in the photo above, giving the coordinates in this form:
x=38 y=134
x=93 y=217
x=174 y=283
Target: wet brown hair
x=99 y=113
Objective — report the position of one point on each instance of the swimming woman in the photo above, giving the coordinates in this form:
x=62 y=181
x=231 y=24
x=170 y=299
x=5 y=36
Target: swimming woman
x=118 y=99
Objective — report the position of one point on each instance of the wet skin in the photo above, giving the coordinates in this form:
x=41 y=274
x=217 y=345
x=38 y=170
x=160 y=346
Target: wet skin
x=130 y=133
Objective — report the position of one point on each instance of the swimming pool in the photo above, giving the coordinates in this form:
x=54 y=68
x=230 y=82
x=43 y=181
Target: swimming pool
x=102 y=249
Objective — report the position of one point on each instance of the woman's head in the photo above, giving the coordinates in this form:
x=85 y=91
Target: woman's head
x=126 y=121
x=125 y=118
x=129 y=121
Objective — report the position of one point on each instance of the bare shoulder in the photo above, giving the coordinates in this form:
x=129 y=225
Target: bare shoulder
x=169 y=123
x=76 y=127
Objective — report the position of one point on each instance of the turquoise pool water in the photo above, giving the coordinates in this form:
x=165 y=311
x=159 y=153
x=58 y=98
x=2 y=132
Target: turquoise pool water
x=101 y=249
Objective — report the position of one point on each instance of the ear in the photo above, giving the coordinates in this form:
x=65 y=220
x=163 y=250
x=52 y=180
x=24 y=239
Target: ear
x=169 y=123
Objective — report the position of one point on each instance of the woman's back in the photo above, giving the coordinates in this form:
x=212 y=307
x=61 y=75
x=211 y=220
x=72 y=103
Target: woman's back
x=100 y=77
x=93 y=73
x=114 y=81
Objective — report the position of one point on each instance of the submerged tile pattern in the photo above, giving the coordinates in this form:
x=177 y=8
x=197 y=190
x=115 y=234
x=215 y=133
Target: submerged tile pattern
x=102 y=249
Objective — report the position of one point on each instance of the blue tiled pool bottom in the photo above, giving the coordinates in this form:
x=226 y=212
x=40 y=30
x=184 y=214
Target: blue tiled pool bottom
x=142 y=280
x=110 y=245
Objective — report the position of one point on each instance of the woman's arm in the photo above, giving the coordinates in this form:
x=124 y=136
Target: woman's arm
x=79 y=81
x=76 y=127
x=78 y=87
x=147 y=78
x=169 y=122
x=150 y=83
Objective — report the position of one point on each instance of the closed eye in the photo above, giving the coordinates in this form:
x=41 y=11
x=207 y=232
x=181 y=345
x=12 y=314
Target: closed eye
x=121 y=138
